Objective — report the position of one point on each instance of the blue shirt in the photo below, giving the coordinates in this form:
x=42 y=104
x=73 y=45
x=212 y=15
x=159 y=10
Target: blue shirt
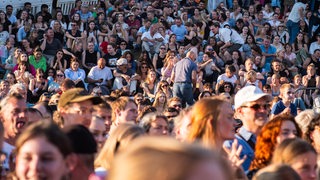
x=279 y=107
x=183 y=70
x=179 y=31
x=271 y=50
x=246 y=148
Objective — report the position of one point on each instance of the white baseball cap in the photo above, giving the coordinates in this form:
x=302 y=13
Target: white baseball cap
x=248 y=94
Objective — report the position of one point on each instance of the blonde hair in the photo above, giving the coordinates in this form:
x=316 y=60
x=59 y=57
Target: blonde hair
x=164 y=158
x=119 y=140
x=204 y=118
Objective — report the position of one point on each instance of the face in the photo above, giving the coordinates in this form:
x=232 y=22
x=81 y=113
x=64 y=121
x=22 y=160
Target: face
x=75 y=66
x=129 y=114
x=158 y=127
x=255 y=118
x=78 y=113
x=176 y=104
x=105 y=114
x=310 y=70
x=98 y=131
x=14 y=118
x=229 y=73
x=226 y=122
x=101 y=63
x=39 y=159
x=287 y=131
x=288 y=94
x=162 y=98
x=305 y=165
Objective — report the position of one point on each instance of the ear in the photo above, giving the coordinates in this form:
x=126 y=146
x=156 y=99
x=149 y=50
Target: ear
x=71 y=162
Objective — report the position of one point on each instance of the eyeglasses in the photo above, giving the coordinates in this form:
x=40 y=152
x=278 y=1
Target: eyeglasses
x=144 y=67
x=177 y=105
x=163 y=48
x=256 y=107
x=165 y=85
x=227 y=86
x=40 y=76
x=60 y=75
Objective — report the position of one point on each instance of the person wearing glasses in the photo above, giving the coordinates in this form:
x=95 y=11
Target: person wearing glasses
x=252 y=108
x=38 y=85
x=285 y=105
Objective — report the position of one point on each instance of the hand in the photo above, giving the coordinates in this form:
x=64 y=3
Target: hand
x=286 y=110
x=234 y=154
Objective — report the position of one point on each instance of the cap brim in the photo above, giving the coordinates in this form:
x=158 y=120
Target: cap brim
x=94 y=99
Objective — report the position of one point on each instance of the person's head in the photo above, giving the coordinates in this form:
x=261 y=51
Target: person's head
x=298 y=154
x=5 y=86
x=266 y=41
x=13 y=115
x=160 y=99
x=104 y=110
x=76 y=106
x=252 y=106
x=287 y=92
x=311 y=70
x=45 y=110
x=304 y=118
x=84 y=148
x=74 y=64
x=40 y=140
x=251 y=76
x=155 y=124
x=230 y=70
x=275 y=131
x=211 y=122
x=98 y=130
x=175 y=102
x=124 y=110
x=101 y=63
x=276 y=172
x=120 y=139
x=186 y=161
x=215 y=27
x=312 y=133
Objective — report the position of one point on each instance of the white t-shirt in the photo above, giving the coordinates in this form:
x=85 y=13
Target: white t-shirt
x=313 y=47
x=230 y=35
x=97 y=73
x=225 y=78
x=294 y=15
x=148 y=35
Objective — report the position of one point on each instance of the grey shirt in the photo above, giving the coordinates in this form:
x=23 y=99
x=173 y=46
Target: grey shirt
x=183 y=70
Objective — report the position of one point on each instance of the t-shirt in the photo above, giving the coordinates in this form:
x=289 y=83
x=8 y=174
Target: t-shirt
x=51 y=48
x=112 y=60
x=279 y=107
x=294 y=15
x=97 y=73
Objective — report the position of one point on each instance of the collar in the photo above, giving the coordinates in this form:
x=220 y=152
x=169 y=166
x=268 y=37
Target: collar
x=246 y=134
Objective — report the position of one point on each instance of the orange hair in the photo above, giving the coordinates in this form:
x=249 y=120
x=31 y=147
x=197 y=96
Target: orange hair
x=203 y=123
x=267 y=140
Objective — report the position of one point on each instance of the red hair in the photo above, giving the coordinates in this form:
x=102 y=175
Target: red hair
x=267 y=140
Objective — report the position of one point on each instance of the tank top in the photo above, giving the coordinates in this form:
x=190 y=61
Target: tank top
x=160 y=62
x=91 y=58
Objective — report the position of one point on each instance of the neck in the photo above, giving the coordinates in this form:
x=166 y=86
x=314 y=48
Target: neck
x=286 y=102
x=254 y=130
x=9 y=140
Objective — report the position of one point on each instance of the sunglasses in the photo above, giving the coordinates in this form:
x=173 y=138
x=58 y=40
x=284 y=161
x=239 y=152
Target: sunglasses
x=60 y=75
x=144 y=67
x=162 y=48
x=40 y=76
x=256 y=107
x=177 y=105
x=164 y=85
x=227 y=86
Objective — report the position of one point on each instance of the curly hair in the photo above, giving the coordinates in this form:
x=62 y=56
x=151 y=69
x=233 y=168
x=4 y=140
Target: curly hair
x=267 y=140
x=310 y=128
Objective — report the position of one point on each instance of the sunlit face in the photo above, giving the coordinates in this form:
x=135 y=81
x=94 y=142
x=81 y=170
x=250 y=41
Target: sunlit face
x=305 y=165
x=162 y=98
x=158 y=127
x=129 y=114
x=24 y=57
x=226 y=122
x=39 y=159
x=287 y=131
x=311 y=70
x=78 y=113
x=74 y=66
x=97 y=128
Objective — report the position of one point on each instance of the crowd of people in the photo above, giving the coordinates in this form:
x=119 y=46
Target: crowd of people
x=185 y=89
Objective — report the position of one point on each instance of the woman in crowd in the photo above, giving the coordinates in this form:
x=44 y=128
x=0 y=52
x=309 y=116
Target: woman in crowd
x=272 y=134
x=11 y=78
x=38 y=85
x=299 y=155
x=42 y=152
x=58 y=31
x=76 y=74
x=298 y=89
x=172 y=44
x=311 y=80
x=38 y=60
x=165 y=88
x=58 y=62
x=300 y=47
x=55 y=85
x=34 y=38
x=143 y=69
x=12 y=60
x=155 y=124
x=159 y=58
x=132 y=63
x=40 y=25
x=150 y=85
x=24 y=17
x=160 y=101
x=23 y=57
x=167 y=68
x=7 y=25
x=275 y=85
x=59 y=17
x=26 y=46
x=117 y=29
x=76 y=18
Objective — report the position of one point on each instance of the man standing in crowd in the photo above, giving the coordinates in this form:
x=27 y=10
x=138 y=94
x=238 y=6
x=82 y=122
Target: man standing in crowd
x=252 y=107
x=50 y=45
x=14 y=118
x=184 y=76
x=100 y=75
x=76 y=107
